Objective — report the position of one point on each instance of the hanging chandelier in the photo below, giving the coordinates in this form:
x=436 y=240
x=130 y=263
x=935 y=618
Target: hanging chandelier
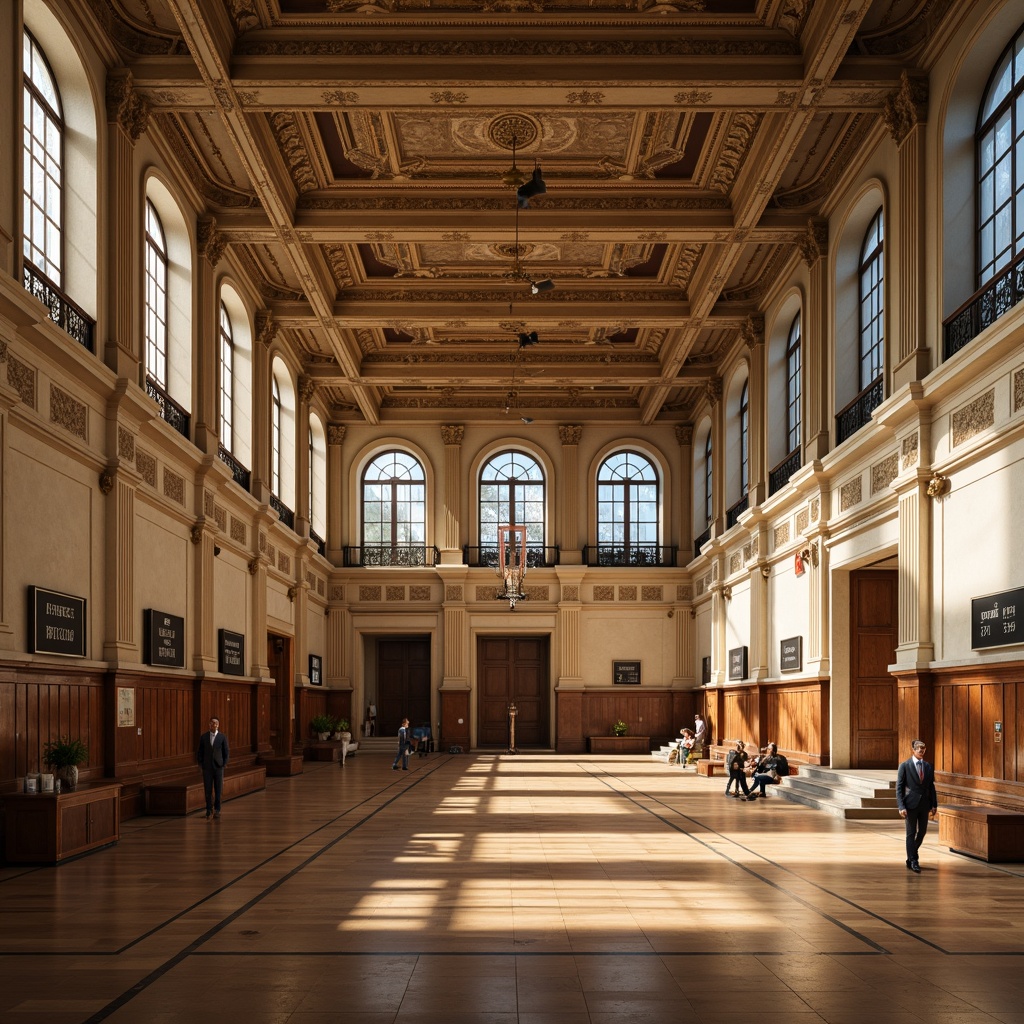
x=511 y=568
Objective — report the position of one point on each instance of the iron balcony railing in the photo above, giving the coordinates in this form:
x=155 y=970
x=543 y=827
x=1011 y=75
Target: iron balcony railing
x=858 y=413
x=170 y=411
x=637 y=555
x=779 y=476
x=321 y=544
x=537 y=555
x=983 y=308
x=239 y=473
x=732 y=517
x=71 y=319
x=383 y=555
x=284 y=513
x=700 y=541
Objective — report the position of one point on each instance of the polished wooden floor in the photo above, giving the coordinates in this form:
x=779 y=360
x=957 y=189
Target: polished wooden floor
x=530 y=889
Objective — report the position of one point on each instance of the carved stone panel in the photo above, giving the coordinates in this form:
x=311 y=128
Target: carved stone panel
x=369 y=593
x=174 y=486
x=65 y=411
x=883 y=473
x=146 y=465
x=973 y=418
x=850 y=494
x=604 y=592
x=627 y=593
x=394 y=593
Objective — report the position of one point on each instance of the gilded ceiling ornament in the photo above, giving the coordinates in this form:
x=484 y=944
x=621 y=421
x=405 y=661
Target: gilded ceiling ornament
x=125 y=107
x=307 y=388
x=447 y=96
x=713 y=390
x=293 y=148
x=266 y=326
x=741 y=131
x=224 y=100
x=792 y=16
x=455 y=236
x=585 y=97
x=452 y=433
x=694 y=97
x=753 y=330
x=211 y=243
x=335 y=434
x=684 y=434
x=906 y=107
x=814 y=245
x=524 y=129
x=570 y=434
x=340 y=97
x=244 y=15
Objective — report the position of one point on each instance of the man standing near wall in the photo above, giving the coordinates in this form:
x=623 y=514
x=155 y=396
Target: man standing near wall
x=212 y=756
x=916 y=800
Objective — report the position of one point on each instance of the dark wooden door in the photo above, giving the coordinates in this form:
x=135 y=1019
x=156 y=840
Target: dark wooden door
x=874 y=710
x=403 y=682
x=279 y=661
x=513 y=668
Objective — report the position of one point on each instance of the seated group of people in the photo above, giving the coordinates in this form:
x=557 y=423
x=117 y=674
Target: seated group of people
x=691 y=746
x=765 y=770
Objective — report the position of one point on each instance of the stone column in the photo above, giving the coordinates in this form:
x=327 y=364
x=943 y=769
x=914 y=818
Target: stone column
x=753 y=335
x=570 y=548
x=684 y=516
x=338 y=671
x=128 y=117
x=266 y=331
x=336 y=494
x=905 y=114
x=204 y=540
x=570 y=607
x=303 y=517
x=455 y=640
x=258 y=564
x=757 y=666
x=10 y=129
x=120 y=644
x=8 y=499
x=719 y=615
x=451 y=546
x=298 y=594
x=685 y=673
x=817 y=397
x=714 y=394
x=206 y=338
x=818 y=615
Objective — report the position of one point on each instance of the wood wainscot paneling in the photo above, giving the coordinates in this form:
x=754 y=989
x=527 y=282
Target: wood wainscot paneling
x=569 y=738
x=797 y=719
x=646 y=712
x=310 y=701
x=738 y=713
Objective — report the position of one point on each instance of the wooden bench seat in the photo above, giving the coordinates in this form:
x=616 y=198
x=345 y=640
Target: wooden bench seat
x=283 y=764
x=184 y=795
x=989 y=833
x=710 y=766
x=330 y=750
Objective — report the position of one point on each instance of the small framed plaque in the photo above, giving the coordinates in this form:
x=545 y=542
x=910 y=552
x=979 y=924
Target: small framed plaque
x=705 y=671
x=316 y=670
x=126 y=707
x=738 y=663
x=994 y=620
x=626 y=672
x=231 y=653
x=163 y=638
x=791 y=654
x=56 y=623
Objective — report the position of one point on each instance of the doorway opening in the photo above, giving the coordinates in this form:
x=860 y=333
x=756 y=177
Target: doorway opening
x=513 y=669
x=403 y=683
x=282 y=703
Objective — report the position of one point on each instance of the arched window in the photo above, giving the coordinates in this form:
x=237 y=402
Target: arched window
x=156 y=298
x=708 y=481
x=227 y=380
x=628 y=527
x=512 y=494
x=793 y=386
x=744 y=418
x=43 y=165
x=276 y=440
x=872 y=304
x=394 y=511
x=1000 y=159
x=317 y=478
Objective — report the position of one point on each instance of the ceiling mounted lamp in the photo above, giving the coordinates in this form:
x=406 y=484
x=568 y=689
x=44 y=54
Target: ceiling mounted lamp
x=513 y=177
x=534 y=187
x=546 y=285
x=528 y=339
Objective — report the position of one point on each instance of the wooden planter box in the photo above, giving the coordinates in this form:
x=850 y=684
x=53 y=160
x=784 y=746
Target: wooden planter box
x=619 y=744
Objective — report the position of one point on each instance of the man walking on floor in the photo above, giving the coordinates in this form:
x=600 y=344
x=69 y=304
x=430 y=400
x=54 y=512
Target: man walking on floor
x=212 y=756
x=916 y=800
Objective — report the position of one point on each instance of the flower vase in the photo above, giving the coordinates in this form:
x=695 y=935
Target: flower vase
x=68 y=776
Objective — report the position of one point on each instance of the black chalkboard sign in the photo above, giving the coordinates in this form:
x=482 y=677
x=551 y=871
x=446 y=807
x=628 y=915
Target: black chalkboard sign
x=738 y=663
x=627 y=672
x=316 y=670
x=56 y=623
x=231 y=653
x=791 y=654
x=705 y=670
x=998 y=620
x=163 y=639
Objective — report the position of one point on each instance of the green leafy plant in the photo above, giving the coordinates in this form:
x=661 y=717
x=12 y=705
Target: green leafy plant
x=619 y=728
x=63 y=752
x=321 y=723
x=341 y=725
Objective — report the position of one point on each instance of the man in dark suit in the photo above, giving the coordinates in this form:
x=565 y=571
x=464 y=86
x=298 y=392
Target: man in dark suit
x=212 y=756
x=916 y=800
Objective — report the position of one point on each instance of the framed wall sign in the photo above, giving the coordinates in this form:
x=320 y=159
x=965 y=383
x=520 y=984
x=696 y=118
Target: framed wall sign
x=56 y=623
x=995 y=620
x=316 y=670
x=230 y=652
x=163 y=639
x=791 y=654
x=738 y=663
x=125 y=707
x=626 y=672
x=705 y=670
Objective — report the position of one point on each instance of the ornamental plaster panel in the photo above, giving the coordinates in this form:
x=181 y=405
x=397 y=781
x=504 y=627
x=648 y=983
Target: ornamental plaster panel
x=850 y=494
x=684 y=592
x=453 y=592
x=125 y=444
x=284 y=562
x=570 y=592
x=369 y=593
x=908 y=452
x=320 y=587
x=146 y=465
x=735 y=562
x=487 y=593
x=652 y=593
x=419 y=592
x=536 y=593
x=337 y=593
x=220 y=517
x=627 y=593
x=1018 y=391
x=884 y=472
x=174 y=486
x=781 y=535
x=973 y=418
x=394 y=593
x=803 y=520
x=66 y=411
x=604 y=592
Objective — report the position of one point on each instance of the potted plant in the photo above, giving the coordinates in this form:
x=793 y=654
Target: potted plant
x=322 y=725
x=64 y=755
x=619 y=728
x=341 y=729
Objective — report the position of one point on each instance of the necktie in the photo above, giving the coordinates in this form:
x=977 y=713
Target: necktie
x=920 y=769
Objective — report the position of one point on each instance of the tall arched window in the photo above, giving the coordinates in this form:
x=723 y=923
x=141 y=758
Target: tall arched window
x=394 y=511
x=628 y=511
x=744 y=416
x=156 y=298
x=227 y=380
x=512 y=494
x=793 y=386
x=276 y=439
x=1000 y=149
x=708 y=481
x=317 y=478
x=872 y=304
x=43 y=165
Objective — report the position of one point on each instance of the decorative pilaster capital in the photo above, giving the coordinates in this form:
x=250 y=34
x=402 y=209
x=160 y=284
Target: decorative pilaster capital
x=452 y=433
x=266 y=327
x=307 y=388
x=106 y=482
x=212 y=242
x=336 y=434
x=125 y=107
x=753 y=330
x=196 y=534
x=906 y=107
x=684 y=434
x=570 y=434
x=814 y=244
x=713 y=390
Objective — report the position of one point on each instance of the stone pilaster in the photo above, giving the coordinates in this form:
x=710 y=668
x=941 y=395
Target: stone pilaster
x=8 y=509
x=570 y=608
x=120 y=644
x=817 y=429
x=335 y=493
x=456 y=638
x=753 y=335
x=684 y=675
x=571 y=552
x=714 y=394
x=266 y=331
x=452 y=435
x=303 y=517
x=760 y=613
x=298 y=594
x=10 y=118
x=684 y=438
x=206 y=338
x=337 y=671
x=204 y=543
x=818 y=622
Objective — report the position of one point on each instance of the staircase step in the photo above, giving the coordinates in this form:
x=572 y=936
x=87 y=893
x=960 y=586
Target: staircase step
x=865 y=795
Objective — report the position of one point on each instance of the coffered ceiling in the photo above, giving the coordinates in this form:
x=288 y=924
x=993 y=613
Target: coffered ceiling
x=352 y=156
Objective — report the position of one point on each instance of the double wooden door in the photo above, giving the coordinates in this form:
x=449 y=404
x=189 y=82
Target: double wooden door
x=513 y=669
x=403 y=683
x=874 y=633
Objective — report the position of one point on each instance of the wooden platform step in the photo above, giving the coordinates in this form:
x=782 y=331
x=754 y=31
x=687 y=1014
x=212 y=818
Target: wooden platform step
x=186 y=795
x=285 y=764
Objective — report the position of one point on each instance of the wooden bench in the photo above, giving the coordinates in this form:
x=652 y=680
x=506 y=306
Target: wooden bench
x=182 y=796
x=282 y=765
x=989 y=833
x=710 y=766
x=619 y=744
x=330 y=750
